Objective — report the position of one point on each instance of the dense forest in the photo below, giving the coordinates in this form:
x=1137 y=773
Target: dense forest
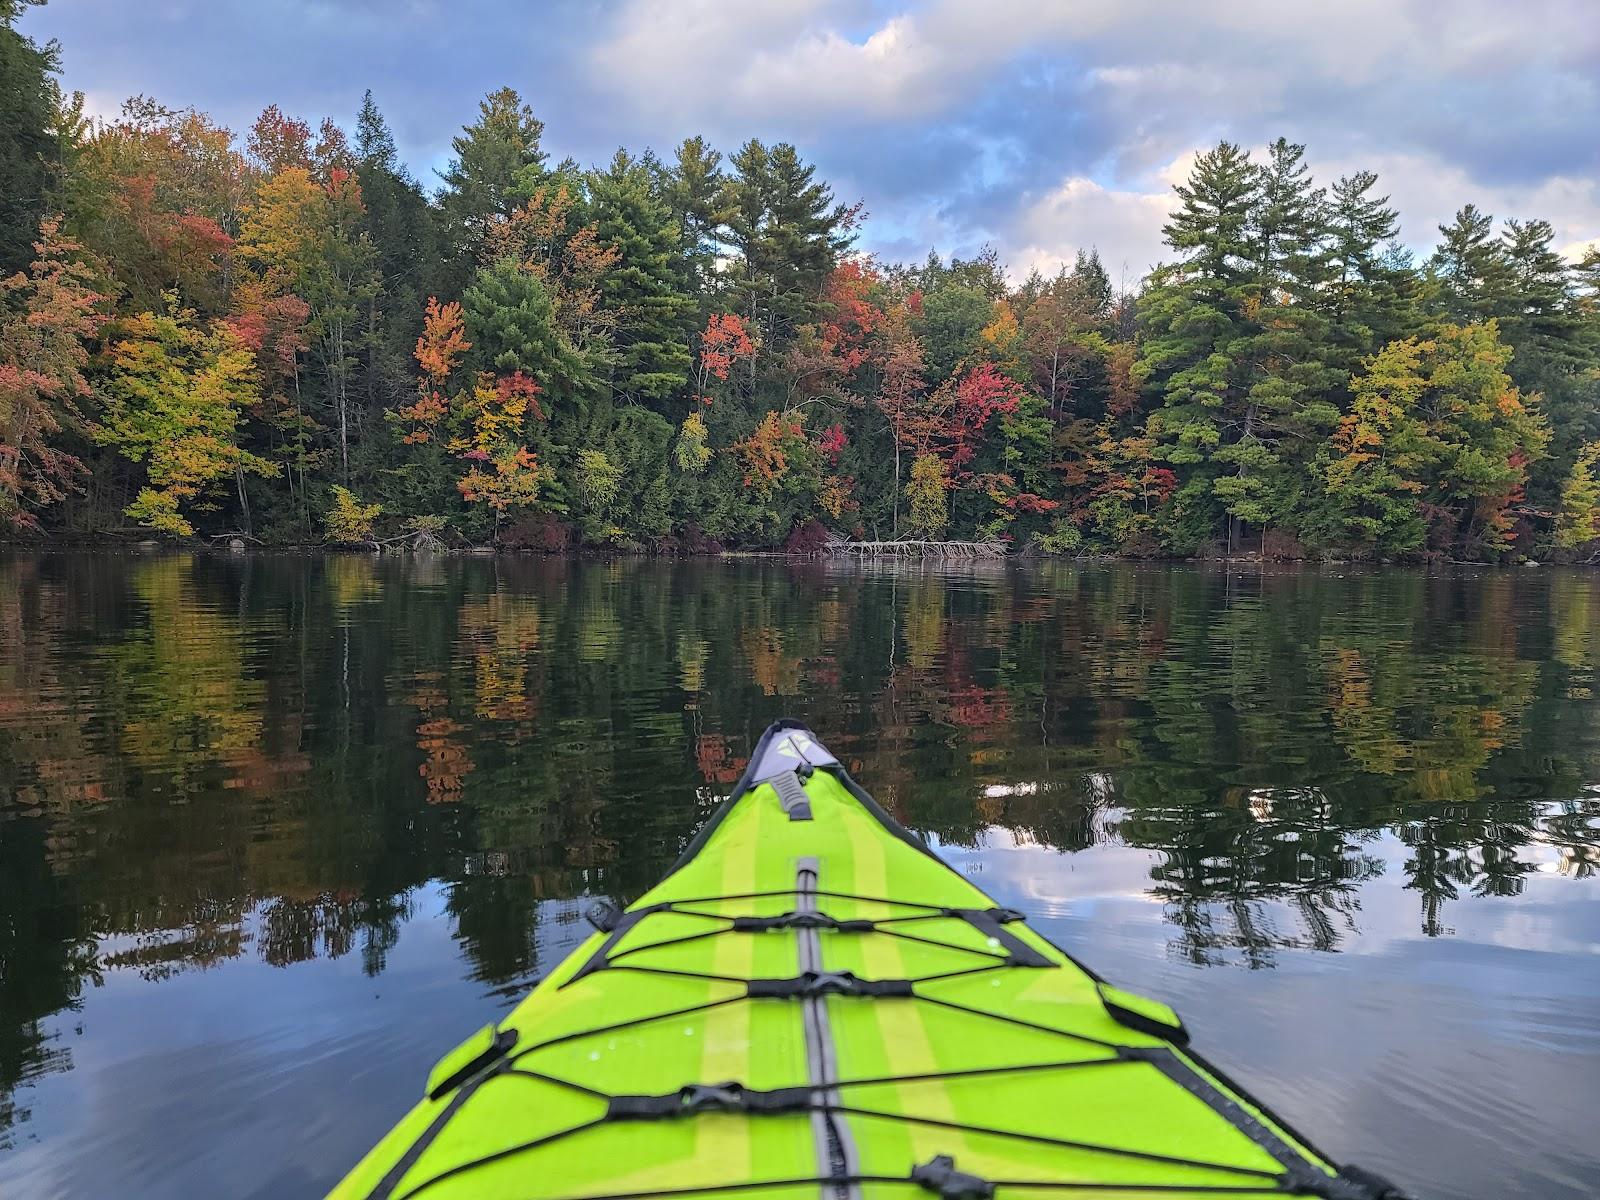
x=285 y=336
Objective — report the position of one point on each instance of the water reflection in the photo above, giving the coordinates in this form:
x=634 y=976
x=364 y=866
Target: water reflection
x=274 y=759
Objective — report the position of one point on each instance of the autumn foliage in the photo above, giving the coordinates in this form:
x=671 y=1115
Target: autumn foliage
x=723 y=343
x=438 y=353
x=46 y=317
x=504 y=472
x=690 y=349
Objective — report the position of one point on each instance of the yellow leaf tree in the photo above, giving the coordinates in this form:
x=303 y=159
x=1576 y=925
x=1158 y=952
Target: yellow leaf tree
x=504 y=472
x=171 y=399
x=927 y=493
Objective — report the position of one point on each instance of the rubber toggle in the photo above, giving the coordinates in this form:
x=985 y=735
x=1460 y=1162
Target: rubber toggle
x=939 y=1175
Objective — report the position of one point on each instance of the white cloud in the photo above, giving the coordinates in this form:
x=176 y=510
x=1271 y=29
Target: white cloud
x=757 y=61
x=102 y=106
x=1080 y=214
x=1161 y=77
x=1428 y=191
x=782 y=53
x=1040 y=125
x=1125 y=224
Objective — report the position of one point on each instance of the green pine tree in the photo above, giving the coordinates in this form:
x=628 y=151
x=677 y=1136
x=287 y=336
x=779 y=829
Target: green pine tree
x=399 y=224
x=644 y=289
x=510 y=321
x=697 y=200
x=374 y=143
x=1283 y=351
x=1540 y=317
x=1543 y=321
x=497 y=165
x=1468 y=275
x=1194 y=314
x=1371 y=285
x=787 y=233
x=1087 y=290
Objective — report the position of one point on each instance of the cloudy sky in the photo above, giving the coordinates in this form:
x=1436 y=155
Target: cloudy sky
x=1033 y=126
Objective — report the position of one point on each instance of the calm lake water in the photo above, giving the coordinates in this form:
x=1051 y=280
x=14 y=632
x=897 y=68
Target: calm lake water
x=275 y=832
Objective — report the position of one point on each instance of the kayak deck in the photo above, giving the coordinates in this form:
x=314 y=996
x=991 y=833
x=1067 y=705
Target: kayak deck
x=812 y=1004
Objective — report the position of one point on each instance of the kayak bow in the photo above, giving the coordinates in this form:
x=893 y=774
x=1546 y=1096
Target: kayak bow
x=812 y=1003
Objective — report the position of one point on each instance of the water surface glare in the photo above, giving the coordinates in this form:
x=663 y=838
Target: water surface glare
x=277 y=831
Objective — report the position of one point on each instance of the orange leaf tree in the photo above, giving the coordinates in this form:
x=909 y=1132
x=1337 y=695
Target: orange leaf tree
x=504 y=473
x=46 y=315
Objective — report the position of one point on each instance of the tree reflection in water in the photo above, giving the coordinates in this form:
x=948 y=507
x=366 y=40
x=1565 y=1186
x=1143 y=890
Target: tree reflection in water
x=204 y=758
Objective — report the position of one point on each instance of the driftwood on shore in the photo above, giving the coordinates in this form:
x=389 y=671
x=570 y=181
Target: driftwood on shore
x=919 y=549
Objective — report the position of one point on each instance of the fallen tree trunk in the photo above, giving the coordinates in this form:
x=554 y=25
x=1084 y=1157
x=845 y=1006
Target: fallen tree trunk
x=919 y=549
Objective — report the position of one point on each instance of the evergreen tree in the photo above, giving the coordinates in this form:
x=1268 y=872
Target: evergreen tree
x=497 y=165
x=787 y=232
x=1586 y=280
x=399 y=225
x=1087 y=290
x=644 y=289
x=1587 y=277
x=1194 y=314
x=1289 y=226
x=1211 y=228
x=639 y=445
x=983 y=273
x=375 y=146
x=1540 y=318
x=511 y=324
x=28 y=146
x=696 y=195
x=1283 y=349
x=1544 y=324
x=1468 y=272
x=1370 y=280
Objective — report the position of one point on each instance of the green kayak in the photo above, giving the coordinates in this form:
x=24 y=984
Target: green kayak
x=812 y=1004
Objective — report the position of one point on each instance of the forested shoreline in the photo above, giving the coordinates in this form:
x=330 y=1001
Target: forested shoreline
x=282 y=335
